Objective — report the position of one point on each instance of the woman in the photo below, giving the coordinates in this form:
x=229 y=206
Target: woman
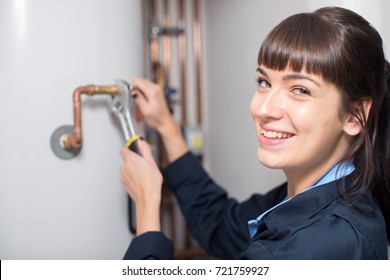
x=321 y=113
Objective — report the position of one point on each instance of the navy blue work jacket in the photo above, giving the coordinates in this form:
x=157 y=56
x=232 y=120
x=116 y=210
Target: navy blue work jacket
x=317 y=224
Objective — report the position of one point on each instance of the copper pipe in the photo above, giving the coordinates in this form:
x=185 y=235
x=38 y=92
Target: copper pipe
x=197 y=50
x=182 y=63
x=154 y=44
x=166 y=45
x=75 y=140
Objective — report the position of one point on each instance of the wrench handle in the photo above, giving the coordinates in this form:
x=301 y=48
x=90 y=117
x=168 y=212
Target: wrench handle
x=132 y=144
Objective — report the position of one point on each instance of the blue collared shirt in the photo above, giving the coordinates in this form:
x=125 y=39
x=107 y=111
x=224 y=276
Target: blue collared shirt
x=336 y=172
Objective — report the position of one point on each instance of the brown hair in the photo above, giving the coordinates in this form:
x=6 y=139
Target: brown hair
x=344 y=49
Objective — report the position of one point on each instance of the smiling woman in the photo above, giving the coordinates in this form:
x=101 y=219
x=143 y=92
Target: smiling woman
x=321 y=113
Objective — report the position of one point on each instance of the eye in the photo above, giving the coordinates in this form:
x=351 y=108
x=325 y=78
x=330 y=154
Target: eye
x=301 y=91
x=262 y=83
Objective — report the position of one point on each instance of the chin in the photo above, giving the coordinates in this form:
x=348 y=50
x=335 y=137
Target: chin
x=270 y=165
x=268 y=161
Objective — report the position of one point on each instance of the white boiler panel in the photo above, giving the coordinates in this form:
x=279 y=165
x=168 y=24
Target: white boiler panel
x=52 y=208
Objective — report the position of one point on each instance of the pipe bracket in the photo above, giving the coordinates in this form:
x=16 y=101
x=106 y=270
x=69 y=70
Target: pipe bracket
x=57 y=143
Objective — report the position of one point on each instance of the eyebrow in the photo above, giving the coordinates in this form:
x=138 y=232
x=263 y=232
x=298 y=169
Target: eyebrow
x=292 y=76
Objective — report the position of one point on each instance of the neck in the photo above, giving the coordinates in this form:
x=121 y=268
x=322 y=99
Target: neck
x=300 y=180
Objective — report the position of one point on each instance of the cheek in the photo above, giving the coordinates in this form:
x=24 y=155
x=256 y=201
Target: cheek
x=302 y=119
x=319 y=124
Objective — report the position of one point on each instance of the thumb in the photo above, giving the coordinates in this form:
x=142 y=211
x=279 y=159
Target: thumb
x=141 y=102
x=145 y=150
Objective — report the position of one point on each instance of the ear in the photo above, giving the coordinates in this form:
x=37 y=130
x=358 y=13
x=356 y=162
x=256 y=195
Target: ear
x=352 y=125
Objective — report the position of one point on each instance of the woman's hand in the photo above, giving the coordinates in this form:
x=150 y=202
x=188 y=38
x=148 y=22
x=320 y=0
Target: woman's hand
x=142 y=180
x=151 y=101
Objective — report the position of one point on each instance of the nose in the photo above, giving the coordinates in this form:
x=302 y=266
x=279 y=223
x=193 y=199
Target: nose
x=267 y=105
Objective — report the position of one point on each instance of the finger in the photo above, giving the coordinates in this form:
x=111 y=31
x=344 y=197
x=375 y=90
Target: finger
x=142 y=103
x=125 y=153
x=128 y=155
x=127 y=176
x=140 y=85
x=148 y=88
x=124 y=176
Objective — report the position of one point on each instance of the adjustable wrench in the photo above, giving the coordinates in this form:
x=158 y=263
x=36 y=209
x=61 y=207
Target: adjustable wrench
x=120 y=107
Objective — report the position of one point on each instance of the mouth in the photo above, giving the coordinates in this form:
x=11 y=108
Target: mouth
x=275 y=134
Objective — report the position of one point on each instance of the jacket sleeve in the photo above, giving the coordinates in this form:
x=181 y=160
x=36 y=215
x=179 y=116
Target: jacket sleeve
x=217 y=222
x=150 y=246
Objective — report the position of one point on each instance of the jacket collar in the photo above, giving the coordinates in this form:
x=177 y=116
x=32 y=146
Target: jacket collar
x=306 y=204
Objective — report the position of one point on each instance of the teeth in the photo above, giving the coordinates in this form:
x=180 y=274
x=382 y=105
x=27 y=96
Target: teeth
x=274 y=134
